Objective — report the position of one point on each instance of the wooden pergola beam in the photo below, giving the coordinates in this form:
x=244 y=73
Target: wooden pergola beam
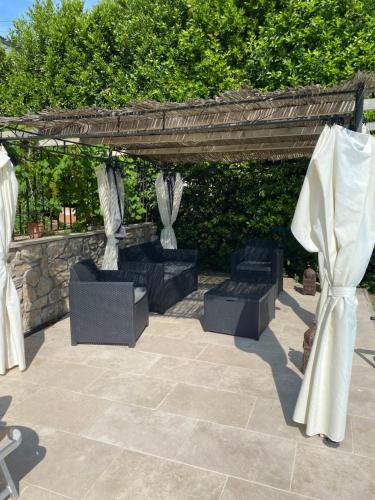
x=283 y=146
x=215 y=137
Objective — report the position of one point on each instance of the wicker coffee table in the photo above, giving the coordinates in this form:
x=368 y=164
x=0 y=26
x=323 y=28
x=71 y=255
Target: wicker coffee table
x=238 y=308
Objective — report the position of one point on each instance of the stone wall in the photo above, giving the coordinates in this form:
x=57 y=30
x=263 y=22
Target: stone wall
x=40 y=269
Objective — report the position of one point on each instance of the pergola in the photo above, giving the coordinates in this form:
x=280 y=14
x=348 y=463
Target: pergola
x=236 y=126
x=246 y=125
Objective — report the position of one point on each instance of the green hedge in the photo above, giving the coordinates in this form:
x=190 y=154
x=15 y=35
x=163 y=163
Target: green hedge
x=225 y=205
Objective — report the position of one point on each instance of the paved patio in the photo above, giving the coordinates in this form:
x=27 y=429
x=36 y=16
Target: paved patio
x=186 y=414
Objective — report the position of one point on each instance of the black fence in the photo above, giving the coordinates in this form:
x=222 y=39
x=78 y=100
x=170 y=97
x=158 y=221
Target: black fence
x=42 y=209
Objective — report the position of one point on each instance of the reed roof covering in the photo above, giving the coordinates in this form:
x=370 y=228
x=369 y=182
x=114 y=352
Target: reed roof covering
x=238 y=125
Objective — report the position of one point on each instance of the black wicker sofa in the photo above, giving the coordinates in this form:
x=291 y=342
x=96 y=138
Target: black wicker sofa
x=171 y=274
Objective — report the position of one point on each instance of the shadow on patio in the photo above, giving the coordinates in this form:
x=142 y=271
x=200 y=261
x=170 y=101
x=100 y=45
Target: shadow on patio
x=28 y=455
x=186 y=412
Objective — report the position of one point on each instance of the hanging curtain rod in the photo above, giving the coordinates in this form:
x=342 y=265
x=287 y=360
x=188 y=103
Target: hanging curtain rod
x=57 y=152
x=38 y=136
x=57 y=149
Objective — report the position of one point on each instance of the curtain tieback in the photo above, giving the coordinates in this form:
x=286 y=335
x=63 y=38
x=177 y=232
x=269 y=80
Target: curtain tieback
x=342 y=291
x=112 y=240
x=3 y=262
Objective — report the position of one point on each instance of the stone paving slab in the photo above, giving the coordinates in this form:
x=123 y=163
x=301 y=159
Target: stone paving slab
x=186 y=414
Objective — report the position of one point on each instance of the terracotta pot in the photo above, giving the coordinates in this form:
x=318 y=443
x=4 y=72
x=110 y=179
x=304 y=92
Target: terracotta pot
x=35 y=230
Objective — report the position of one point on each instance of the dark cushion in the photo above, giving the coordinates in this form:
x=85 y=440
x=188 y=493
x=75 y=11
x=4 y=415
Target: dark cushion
x=254 y=265
x=158 y=246
x=261 y=250
x=147 y=252
x=139 y=293
x=85 y=270
x=258 y=253
x=174 y=268
x=271 y=244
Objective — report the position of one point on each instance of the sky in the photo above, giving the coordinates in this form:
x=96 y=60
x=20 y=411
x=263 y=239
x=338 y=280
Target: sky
x=11 y=9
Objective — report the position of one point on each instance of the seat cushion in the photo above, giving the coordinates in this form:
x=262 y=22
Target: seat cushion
x=174 y=268
x=254 y=265
x=85 y=270
x=139 y=293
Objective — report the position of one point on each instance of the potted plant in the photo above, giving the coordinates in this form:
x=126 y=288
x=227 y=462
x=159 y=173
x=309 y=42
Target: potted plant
x=35 y=227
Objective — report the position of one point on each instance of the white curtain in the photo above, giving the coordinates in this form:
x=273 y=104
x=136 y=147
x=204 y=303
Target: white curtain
x=335 y=217
x=12 y=352
x=111 y=195
x=168 y=213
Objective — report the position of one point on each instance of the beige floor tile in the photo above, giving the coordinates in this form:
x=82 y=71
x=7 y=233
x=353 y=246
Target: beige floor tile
x=363 y=375
x=239 y=356
x=134 y=476
x=164 y=319
x=14 y=391
x=330 y=475
x=61 y=462
x=141 y=429
x=54 y=373
x=185 y=370
x=176 y=330
x=364 y=436
x=35 y=493
x=227 y=340
x=241 y=453
x=362 y=402
x=274 y=416
x=260 y=382
x=364 y=357
x=238 y=489
x=171 y=347
x=285 y=335
x=209 y=404
x=57 y=408
x=103 y=356
x=132 y=389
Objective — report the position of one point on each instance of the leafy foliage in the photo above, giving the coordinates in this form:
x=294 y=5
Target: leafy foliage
x=223 y=206
x=66 y=56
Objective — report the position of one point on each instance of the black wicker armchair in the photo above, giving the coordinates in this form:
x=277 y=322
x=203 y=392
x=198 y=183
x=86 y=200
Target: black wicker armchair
x=261 y=261
x=106 y=307
x=171 y=274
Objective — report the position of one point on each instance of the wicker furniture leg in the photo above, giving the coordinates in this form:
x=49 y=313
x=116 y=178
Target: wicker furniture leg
x=10 y=490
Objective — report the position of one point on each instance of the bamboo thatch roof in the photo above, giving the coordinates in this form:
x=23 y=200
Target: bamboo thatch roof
x=237 y=125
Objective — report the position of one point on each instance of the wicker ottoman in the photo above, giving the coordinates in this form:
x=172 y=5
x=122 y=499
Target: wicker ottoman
x=238 y=308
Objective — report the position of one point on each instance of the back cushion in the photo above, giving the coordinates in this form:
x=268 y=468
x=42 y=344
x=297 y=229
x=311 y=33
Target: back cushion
x=85 y=270
x=133 y=253
x=153 y=252
x=146 y=252
x=258 y=254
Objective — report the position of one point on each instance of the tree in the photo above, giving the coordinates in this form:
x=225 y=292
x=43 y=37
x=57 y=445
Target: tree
x=124 y=50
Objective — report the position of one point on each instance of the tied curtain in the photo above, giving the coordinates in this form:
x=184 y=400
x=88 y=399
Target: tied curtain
x=169 y=193
x=111 y=196
x=335 y=216
x=12 y=351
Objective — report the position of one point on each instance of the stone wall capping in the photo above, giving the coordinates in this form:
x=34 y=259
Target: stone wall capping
x=61 y=237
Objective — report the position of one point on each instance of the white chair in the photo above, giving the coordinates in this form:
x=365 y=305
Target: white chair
x=14 y=440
